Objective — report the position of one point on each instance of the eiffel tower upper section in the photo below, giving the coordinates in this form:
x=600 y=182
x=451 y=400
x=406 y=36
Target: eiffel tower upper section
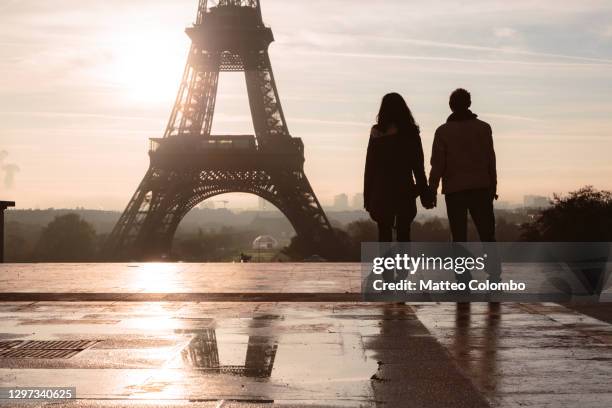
x=229 y=35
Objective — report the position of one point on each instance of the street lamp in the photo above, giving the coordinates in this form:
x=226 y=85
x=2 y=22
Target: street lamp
x=3 y=206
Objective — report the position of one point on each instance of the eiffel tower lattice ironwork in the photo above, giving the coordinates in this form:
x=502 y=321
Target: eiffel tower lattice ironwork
x=189 y=165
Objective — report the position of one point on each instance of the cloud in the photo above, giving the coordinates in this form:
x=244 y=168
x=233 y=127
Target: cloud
x=505 y=116
x=587 y=63
x=428 y=45
x=329 y=122
x=505 y=32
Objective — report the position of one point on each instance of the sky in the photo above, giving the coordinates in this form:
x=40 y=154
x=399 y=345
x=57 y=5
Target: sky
x=84 y=84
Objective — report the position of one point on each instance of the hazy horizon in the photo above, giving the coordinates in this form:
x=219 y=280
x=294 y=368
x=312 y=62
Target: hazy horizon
x=83 y=86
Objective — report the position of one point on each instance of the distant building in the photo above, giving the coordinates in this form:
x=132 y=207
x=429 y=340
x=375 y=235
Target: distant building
x=535 y=201
x=341 y=202
x=358 y=201
x=265 y=242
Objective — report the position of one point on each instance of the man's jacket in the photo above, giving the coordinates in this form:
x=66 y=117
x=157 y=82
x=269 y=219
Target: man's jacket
x=463 y=156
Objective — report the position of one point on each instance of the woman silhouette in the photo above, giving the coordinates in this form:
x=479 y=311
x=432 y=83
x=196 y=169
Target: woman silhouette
x=394 y=171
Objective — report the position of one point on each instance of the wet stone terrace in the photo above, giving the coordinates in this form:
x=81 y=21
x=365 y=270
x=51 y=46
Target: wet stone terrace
x=296 y=354
x=143 y=278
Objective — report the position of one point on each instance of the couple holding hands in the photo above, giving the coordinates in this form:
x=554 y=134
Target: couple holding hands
x=462 y=157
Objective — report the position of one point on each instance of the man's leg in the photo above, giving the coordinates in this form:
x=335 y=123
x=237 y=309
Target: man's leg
x=456 y=209
x=481 y=209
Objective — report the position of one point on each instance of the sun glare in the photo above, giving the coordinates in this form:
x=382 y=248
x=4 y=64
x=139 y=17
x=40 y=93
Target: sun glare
x=157 y=277
x=147 y=63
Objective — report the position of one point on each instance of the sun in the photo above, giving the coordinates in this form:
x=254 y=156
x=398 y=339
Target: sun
x=147 y=63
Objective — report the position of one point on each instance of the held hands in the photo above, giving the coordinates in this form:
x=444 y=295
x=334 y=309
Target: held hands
x=428 y=199
x=494 y=195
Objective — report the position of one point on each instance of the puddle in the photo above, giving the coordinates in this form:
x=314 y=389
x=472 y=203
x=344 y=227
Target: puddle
x=218 y=351
x=205 y=353
x=276 y=365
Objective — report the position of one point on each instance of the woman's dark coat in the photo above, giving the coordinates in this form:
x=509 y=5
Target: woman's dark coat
x=394 y=171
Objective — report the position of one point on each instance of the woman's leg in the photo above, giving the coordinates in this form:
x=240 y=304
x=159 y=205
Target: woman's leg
x=404 y=221
x=385 y=231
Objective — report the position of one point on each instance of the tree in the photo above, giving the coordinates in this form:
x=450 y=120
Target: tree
x=362 y=231
x=336 y=249
x=507 y=231
x=67 y=238
x=581 y=216
x=219 y=245
x=20 y=240
x=16 y=248
x=432 y=230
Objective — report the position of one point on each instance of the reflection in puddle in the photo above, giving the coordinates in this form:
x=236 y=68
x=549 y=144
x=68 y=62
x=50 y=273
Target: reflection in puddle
x=271 y=349
x=202 y=353
x=483 y=364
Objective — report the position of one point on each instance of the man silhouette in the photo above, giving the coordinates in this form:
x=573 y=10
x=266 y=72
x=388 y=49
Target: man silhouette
x=464 y=158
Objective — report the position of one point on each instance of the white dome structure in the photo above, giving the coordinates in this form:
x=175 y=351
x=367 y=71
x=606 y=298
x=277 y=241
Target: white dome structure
x=265 y=242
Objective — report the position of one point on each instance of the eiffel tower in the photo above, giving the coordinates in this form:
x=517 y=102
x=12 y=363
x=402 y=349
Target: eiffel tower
x=189 y=165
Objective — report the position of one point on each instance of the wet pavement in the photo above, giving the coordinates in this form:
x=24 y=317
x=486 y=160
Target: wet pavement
x=118 y=281
x=295 y=354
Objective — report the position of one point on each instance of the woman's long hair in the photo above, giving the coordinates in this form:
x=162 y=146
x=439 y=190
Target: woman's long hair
x=395 y=111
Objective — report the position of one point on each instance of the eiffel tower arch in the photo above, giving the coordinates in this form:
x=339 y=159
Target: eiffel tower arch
x=189 y=165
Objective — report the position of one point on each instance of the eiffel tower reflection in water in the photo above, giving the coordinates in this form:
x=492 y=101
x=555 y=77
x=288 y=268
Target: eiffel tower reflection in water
x=202 y=353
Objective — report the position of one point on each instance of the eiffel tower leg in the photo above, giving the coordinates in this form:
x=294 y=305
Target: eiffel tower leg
x=295 y=197
x=268 y=118
x=193 y=110
x=120 y=242
x=142 y=230
x=152 y=241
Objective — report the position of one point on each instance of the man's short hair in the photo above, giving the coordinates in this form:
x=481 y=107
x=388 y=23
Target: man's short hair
x=460 y=100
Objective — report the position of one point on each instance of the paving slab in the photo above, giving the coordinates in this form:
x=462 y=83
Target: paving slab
x=509 y=362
